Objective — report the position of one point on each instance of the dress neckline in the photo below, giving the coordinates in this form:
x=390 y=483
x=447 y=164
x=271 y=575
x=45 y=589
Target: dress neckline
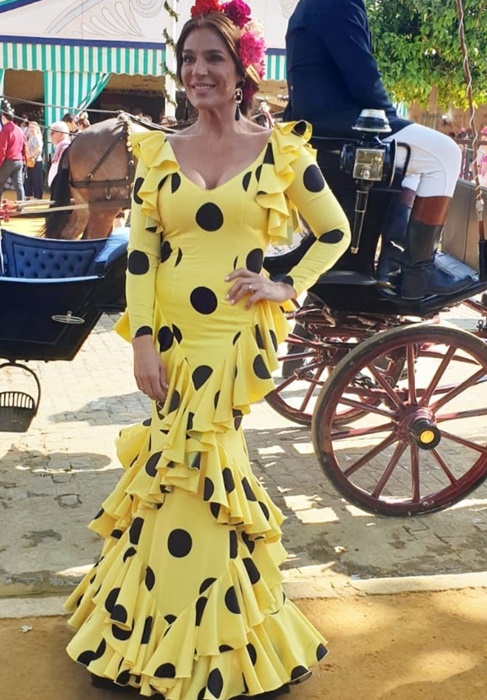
x=241 y=172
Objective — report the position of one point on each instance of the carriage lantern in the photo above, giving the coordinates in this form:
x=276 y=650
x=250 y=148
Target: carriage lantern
x=367 y=161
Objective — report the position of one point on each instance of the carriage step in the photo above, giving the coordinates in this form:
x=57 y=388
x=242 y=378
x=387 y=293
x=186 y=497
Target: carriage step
x=452 y=266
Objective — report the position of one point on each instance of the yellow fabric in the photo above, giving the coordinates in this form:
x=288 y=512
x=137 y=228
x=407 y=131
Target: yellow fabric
x=186 y=600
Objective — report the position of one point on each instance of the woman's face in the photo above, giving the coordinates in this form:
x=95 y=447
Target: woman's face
x=208 y=72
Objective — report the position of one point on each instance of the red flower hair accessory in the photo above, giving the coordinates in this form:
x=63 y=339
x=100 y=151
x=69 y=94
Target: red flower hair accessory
x=203 y=7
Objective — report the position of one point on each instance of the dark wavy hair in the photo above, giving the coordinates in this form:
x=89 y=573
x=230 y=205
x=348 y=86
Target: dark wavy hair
x=230 y=33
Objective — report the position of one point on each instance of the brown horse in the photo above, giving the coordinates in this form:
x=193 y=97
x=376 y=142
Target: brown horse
x=95 y=176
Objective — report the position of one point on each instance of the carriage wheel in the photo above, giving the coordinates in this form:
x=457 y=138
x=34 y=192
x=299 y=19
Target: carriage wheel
x=417 y=448
x=304 y=370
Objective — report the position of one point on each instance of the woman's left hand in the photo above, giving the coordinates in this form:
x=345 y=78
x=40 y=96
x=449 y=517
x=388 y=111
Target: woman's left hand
x=254 y=287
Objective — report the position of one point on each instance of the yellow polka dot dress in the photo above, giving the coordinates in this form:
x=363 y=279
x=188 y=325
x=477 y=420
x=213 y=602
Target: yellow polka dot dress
x=186 y=600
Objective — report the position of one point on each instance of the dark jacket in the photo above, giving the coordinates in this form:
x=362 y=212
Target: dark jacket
x=332 y=74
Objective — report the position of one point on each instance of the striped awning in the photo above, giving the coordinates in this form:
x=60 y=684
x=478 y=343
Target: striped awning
x=83 y=59
x=275 y=65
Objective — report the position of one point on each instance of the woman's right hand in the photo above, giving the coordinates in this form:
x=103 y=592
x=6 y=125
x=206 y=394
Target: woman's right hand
x=149 y=370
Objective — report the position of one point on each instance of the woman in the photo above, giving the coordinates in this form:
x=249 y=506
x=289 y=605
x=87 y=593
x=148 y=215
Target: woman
x=35 y=168
x=186 y=600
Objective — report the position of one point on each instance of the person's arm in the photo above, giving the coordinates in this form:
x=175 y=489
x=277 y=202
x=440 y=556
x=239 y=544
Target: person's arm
x=344 y=32
x=3 y=145
x=319 y=207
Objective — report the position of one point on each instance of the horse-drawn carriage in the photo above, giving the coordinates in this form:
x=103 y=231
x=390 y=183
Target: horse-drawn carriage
x=389 y=392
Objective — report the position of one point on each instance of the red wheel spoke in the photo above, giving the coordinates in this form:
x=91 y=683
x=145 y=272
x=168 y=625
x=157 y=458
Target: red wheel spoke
x=459 y=415
x=466 y=443
x=385 y=385
x=358 y=432
x=471 y=381
x=426 y=397
x=398 y=452
x=365 y=407
x=444 y=467
x=410 y=360
x=415 y=477
x=311 y=388
x=370 y=455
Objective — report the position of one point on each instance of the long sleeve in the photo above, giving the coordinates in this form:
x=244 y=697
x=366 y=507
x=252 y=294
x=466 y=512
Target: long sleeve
x=319 y=207
x=143 y=261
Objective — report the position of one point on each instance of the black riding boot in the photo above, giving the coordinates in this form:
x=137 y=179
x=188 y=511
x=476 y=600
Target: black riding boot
x=394 y=239
x=420 y=277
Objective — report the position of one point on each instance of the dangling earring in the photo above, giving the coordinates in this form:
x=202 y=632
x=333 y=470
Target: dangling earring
x=238 y=101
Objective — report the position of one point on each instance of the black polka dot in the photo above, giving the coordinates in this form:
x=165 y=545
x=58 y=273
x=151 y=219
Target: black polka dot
x=166 y=251
x=189 y=425
x=298 y=672
x=165 y=338
x=129 y=553
x=250 y=544
x=258 y=338
x=206 y=584
x=224 y=647
x=179 y=543
x=137 y=263
x=135 y=530
x=119 y=613
x=200 y=375
x=152 y=462
x=111 y=599
x=147 y=630
x=274 y=339
x=170 y=619
x=252 y=570
x=209 y=489
x=255 y=260
x=248 y=489
x=196 y=461
x=228 y=480
x=216 y=398
x=165 y=671
x=162 y=182
x=116 y=534
x=321 y=651
x=121 y=634
x=236 y=337
x=334 y=236
x=237 y=418
x=265 y=510
x=99 y=514
x=203 y=300
x=150 y=578
x=215 y=683
x=269 y=155
x=123 y=678
x=200 y=608
x=175 y=182
x=177 y=333
x=252 y=653
x=179 y=257
x=246 y=180
x=209 y=217
x=137 y=185
x=260 y=368
x=313 y=179
x=233 y=544
x=300 y=128
x=143 y=330
x=86 y=657
x=288 y=280
x=175 y=401
x=235 y=263
x=258 y=172
x=231 y=601
x=201 y=694
x=215 y=510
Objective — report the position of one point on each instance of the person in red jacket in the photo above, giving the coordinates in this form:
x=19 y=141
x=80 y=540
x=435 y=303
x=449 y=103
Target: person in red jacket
x=12 y=151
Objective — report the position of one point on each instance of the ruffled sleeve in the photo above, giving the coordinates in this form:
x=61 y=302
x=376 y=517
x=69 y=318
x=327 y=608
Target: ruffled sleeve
x=155 y=162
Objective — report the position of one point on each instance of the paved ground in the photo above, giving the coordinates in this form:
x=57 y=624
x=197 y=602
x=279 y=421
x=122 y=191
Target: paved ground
x=53 y=478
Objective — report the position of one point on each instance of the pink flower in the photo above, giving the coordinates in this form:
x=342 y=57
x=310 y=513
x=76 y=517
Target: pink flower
x=251 y=49
x=203 y=7
x=238 y=11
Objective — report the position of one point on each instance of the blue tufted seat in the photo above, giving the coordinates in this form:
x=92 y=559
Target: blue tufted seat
x=26 y=257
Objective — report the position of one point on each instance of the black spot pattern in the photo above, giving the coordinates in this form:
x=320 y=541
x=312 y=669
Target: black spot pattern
x=209 y=489
x=111 y=599
x=255 y=260
x=175 y=182
x=203 y=300
x=165 y=671
x=200 y=608
x=248 y=489
x=216 y=399
x=152 y=462
x=300 y=128
x=206 y=584
x=88 y=656
x=252 y=653
x=334 y=236
x=116 y=534
x=298 y=672
x=175 y=401
x=250 y=544
x=224 y=647
x=269 y=155
x=143 y=330
x=137 y=185
x=123 y=678
x=119 y=614
x=121 y=634
x=233 y=544
x=288 y=280
x=166 y=251
x=137 y=263
x=170 y=619
x=177 y=333
x=189 y=425
x=135 y=530
x=236 y=337
x=215 y=683
x=196 y=462
x=246 y=180
x=231 y=601
x=237 y=418
x=228 y=480
x=179 y=257
x=147 y=630
x=200 y=375
x=258 y=338
x=209 y=217
x=179 y=543
x=260 y=368
x=258 y=172
x=313 y=179
x=215 y=509
x=165 y=338
x=252 y=570
x=265 y=510
x=321 y=651
x=150 y=578
x=273 y=339
x=162 y=182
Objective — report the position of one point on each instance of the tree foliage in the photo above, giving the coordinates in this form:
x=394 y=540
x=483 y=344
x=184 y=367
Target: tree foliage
x=417 y=46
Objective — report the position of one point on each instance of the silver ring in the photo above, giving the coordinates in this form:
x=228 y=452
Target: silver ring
x=251 y=289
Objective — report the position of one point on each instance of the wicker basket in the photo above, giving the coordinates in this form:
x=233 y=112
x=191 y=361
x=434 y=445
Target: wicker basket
x=17 y=408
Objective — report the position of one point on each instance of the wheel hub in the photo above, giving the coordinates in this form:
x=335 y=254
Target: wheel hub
x=423 y=430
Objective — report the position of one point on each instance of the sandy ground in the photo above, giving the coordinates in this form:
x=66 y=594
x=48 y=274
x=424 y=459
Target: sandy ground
x=403 y=647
